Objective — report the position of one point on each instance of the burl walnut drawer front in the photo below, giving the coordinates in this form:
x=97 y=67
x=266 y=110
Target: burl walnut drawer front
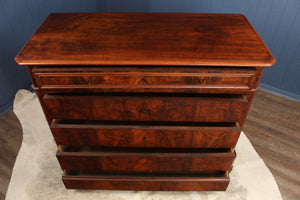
x=164 y=135
x=145 y=160
x=143 y=107
x=160 y=182
x=149 y=79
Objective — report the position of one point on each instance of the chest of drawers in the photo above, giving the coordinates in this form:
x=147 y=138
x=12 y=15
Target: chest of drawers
x=145 y=101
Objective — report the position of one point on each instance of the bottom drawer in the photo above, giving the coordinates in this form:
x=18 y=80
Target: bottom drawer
x=193 y=182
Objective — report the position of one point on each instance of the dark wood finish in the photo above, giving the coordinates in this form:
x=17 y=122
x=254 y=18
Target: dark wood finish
x=271 y=126
x=110 y=82
x=227 y=108
x=144 y=79
x=145 y=160
x=145 y=39
x=217 y=182
x=170 y=135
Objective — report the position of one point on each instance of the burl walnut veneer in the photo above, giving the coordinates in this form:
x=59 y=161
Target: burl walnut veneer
x=145 y=101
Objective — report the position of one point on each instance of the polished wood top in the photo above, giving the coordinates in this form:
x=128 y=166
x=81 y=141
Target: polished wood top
x=145 y=39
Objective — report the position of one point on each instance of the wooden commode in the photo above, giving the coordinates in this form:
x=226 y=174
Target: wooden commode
x=145 y=101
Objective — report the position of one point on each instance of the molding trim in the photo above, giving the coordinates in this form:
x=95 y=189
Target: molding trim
x=280 y=92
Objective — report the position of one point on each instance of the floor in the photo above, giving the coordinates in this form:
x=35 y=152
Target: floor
x=10 y=142
x=272 y=125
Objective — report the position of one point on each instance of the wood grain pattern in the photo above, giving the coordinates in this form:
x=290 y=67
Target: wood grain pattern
x=171 y=135
x=146 y=108
x=139 y=79
x=158 y=183
x=271 y=126
x=119 y=81
x=63 y=79
x=125 y=38
x=144 y=160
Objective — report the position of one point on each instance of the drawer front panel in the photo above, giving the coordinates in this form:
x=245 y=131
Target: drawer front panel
x=147 y=79
x=146 y=108
x=155 y=183
x=167 y=136
x=145 y=160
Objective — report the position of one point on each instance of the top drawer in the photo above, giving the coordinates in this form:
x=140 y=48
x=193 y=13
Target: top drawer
x=144 y=79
